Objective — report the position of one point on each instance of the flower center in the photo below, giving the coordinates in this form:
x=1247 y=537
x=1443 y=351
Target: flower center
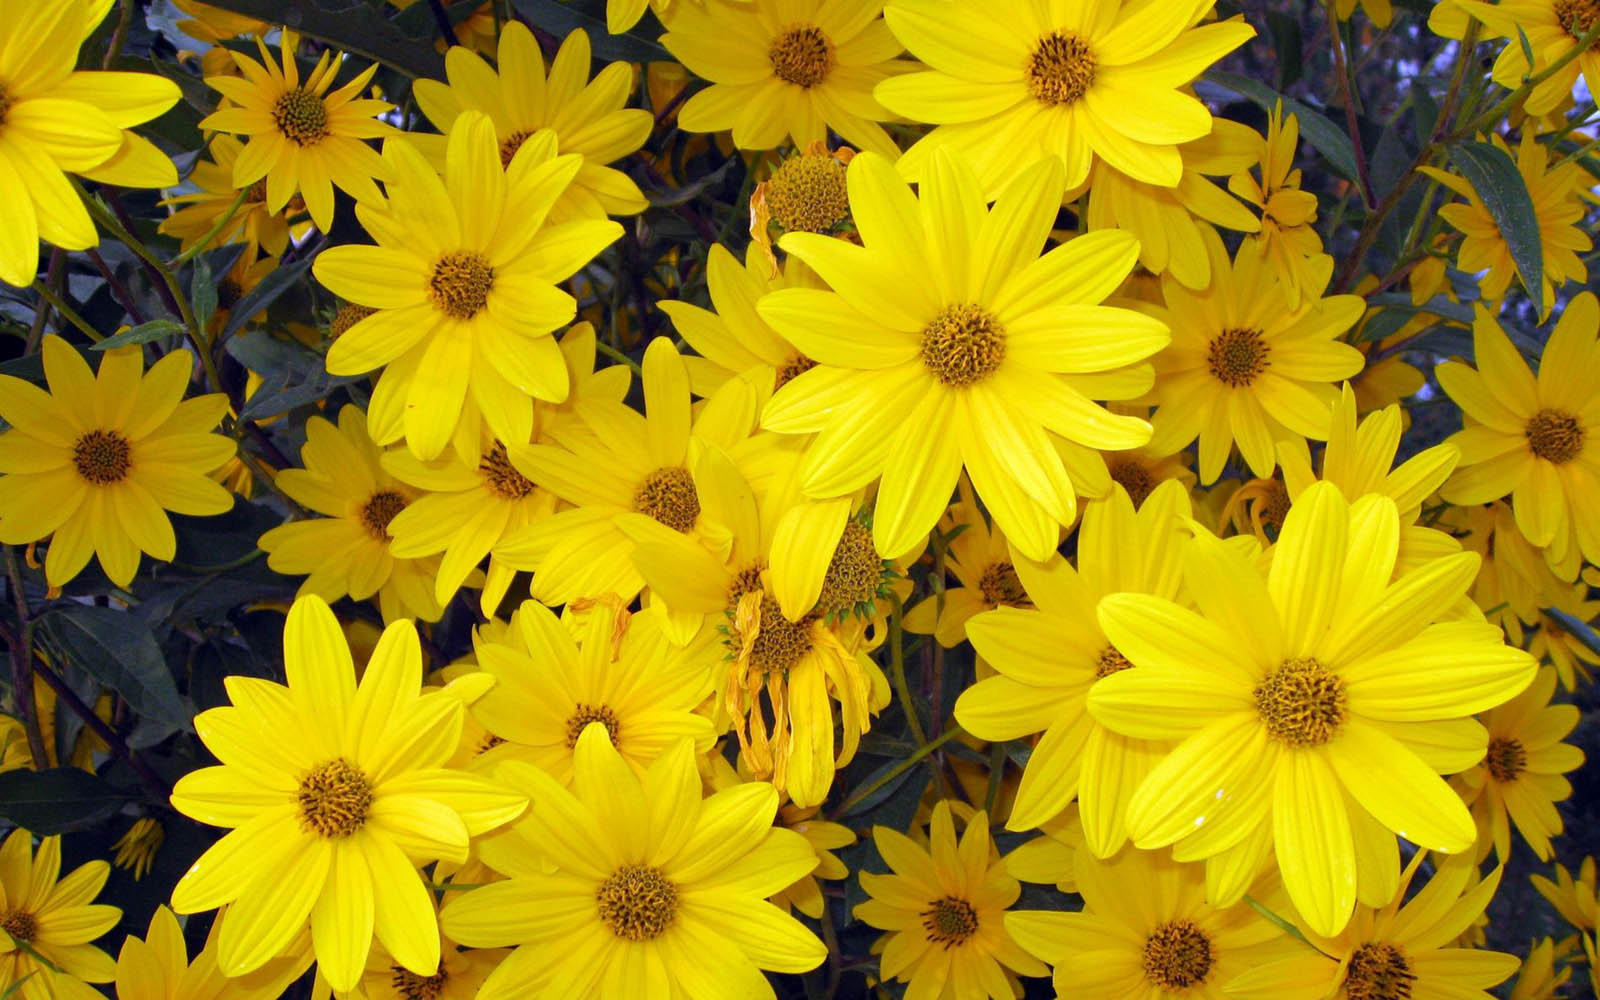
x=502 y=478
x=1110 y=661
x=1061 y=69
x=6 y=101
x=1554 y=435
x=963 y=345
x=1576 y=17
x=512 y=143
x=1379 y=972
x=795 y=366
x=460 y=284
x=1001 y=587
x=637 y=902
x=802 y=55
x=669 y=496
x=808 y=194
x=779 y=643
x=1177 y=955
x=1301 y=703
x=1237 y=357
x=334 y=798
x=949 y=921
x=301 y=117
x=20 y=924
x=379 y=511
x=414 y=987
x=1273 y=505
x=584 y=714
x=103 y=457
x=348 y=315
x=855 y=573
x=1135 y=478
x=1506 y=759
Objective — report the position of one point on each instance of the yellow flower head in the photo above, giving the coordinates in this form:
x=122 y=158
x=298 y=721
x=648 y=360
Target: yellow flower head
x=1552 y=29
x=55 y=120
x=1289 y=239
x=97 y=461
x=300 y=136
x=947 y=342
x=253 y=224
x=1097 y=79
x=157 y=967
x=641 y=888
x=587 y=116
x=792 y=69
x=47 y=923
x=985 y=572
x=944 y=907
x=1317 y=697
x=334 y=793
x=464 y=283
x=1576 y=900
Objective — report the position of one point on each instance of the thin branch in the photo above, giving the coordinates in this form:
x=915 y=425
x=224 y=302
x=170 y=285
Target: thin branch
x=22 y=665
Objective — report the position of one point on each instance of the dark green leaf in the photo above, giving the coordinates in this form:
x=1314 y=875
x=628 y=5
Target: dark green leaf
x=561 y=17
x=1386 y=321
x=56 y=800
x=267 y=292
x=118 y=649
x=1329 y=139
x=269 y=401
x=1494 y=175
x=1577 y=628
x=141 y=334
x=1424 y=109
x=203 y=293
x=1287 y=46
x=354 y=27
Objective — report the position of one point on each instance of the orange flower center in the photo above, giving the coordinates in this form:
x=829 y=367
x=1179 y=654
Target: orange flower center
x=1177 y=955
x=302 y=117
x=949 y=921
x=1554 y=435
x=414 y=987
x=637 y=902
x=510 y=145
x=1302 y=703
x=348 y=315
x=669 y=496
x=1576 y=17
x=795 y=366
x=20 y=924
x=1110 y=661
x=1236 y=357
x=502 y=478
x=779 y=644
x=103 y=457
x=335 y=798
x=855 y=573
x=1134 y=477
x=585 y=714
x=379 y=511
x=1506 y=759
x=963 y=345
x=802 y=55
x=1060 y=69
x=1378 y=972
x=460 y=283
x=1001 y=587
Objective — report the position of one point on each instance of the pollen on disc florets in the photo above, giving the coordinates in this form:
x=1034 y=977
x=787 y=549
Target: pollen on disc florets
x=792 y=369
x=801 y=55
x=779 y=644
x=1378 y=972
x=1576 y=17
x=1177 y=955
x=20 y=924
x=1506 y=759
x=949 y=921
x=348 y=315
x=1060 y=69
x=414 y=987
x=855 y=573
x=335 y=798
x=807 y=194
x=6 y=101
x=511 y=143
x=502 y=478
x=963 y=345
x=1110 y=661
x=637 y=902
x=1237 y=356
x=1134 y=477
x=103 y=457
x=669 y=496
x=301 y=116
x=1302 y=703
x=583 y=714
x=1554 y=435
x=379 y=510
x=1002 y=588
x=460 y=283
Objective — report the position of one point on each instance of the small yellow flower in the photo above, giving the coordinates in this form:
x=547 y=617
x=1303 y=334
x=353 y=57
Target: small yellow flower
x=137 y=848
x=48 y=922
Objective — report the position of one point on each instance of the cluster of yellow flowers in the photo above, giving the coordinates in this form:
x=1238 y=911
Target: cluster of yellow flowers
x=1034 y=499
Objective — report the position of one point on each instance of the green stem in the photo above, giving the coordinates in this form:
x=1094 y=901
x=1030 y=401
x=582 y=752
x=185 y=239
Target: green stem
x=861 y=794
x=1284 y=925
x=59 y=304
x=897 y=667
x=205 y=241
x=108 y=220
x=616 y=355
x=22 y=664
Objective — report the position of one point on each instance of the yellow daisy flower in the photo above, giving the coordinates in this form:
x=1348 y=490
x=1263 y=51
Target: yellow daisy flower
x=464 y=283
x=210 y=23
x=1552 y=29
x=55 y=120
x=792 y=69
x=1288 y=238
x=805 y=193
x=1320 y=698
x=1558 y=208
x=983 y=565
x=944 y=908
x=1049 y=658
x=1577 y=901
x=335 y=795
x=620 y=671
x=948 y=343
x=301 y=138
x=1573 y=660
x=461 y=973
x=1521 y=774
x=136 y=849
x=1097 y=79
x=1246 y=368
x=1531 y=437
x=1146 y=930
x=1538 y=978
x=253 y=223
x=157 y=967
x=587 y=116
x=653 y=892
x=348 y=551
x=55 y=918
x=824 y=837
x=97 y=461
x=1397 y=951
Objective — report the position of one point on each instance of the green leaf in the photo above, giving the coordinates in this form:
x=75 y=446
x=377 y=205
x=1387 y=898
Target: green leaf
x=356 y=28
x=1494 y=175
x=119 y=651
x=1315 y=127
x=203 y=293
x=267 y=292
x=560 y=18
x=57 y=800
x=141 y=334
